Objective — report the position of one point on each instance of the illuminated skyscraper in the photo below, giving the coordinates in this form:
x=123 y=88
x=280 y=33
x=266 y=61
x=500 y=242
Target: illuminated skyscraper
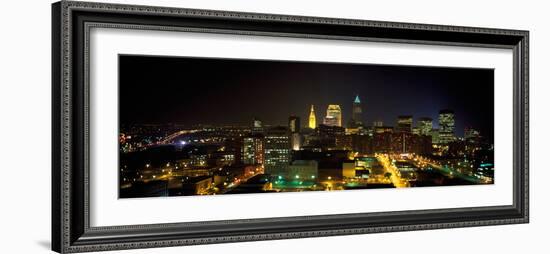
x=425 y=124
x=378 y=123
x=252 y=150
x=312 y=120
x=355 y=120
x=404 y=124
x=277 y=150
x=446 y=126
x=334 y=116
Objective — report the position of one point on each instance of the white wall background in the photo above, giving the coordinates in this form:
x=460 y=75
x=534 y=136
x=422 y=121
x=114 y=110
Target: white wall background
x=25 y=125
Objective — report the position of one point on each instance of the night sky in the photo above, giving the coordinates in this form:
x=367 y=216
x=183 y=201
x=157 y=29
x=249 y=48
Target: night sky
x=234 y=91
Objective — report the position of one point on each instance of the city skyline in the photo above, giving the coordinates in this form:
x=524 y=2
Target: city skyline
x=229 y=126
x=414 y=122
x=171 y=107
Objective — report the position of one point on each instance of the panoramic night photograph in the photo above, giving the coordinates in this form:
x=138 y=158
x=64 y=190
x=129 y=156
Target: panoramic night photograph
x=191 y=126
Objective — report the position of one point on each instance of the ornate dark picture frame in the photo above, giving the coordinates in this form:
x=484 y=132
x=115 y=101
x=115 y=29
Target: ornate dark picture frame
x=71 y=22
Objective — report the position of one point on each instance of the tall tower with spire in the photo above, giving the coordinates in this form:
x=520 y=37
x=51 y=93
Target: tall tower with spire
x=356 y=113
x=312 y=120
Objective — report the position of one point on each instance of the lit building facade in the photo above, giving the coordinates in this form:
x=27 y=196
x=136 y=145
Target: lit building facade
x=425 y=124
x=446 y=126
x=276 y=150
x=330 y=121
x=252 y=151
x=435 y=136
x=334 y=116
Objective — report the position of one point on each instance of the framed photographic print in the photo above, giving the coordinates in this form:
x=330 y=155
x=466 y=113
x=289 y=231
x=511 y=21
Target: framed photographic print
x=181 y=126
